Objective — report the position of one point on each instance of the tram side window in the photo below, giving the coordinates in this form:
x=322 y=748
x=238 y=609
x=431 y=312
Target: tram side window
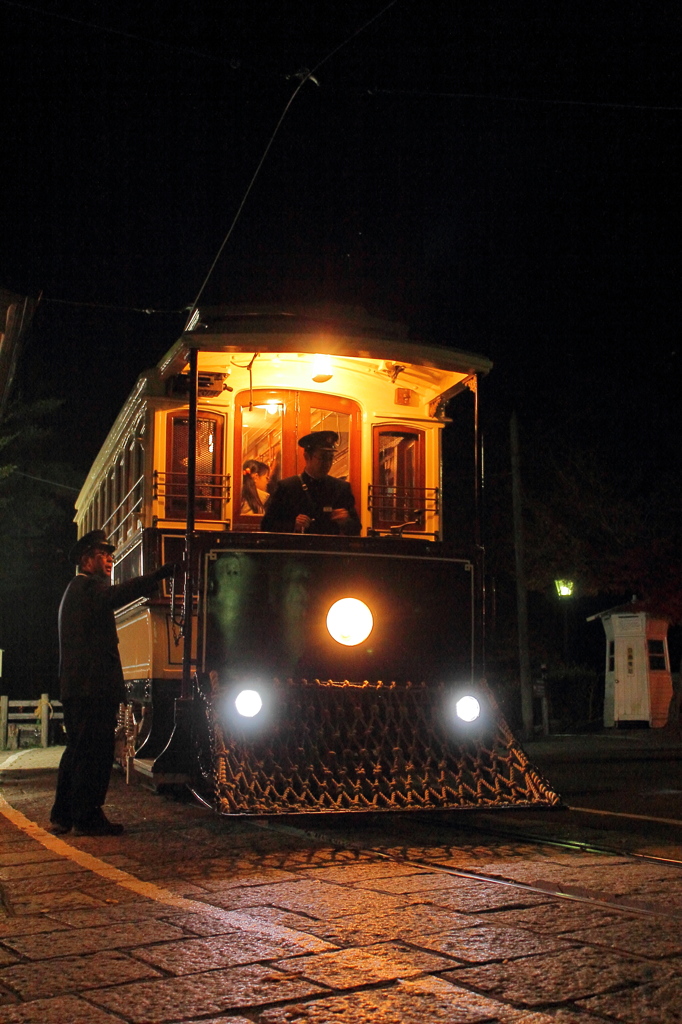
x=398 y=492
x=260 y=459
x=209 y=479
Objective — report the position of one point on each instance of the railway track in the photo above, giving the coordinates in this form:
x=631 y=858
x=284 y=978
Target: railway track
x=622 y=905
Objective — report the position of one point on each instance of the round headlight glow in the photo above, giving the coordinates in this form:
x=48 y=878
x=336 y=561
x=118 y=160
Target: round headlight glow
x=349 y=621
x=468 y=709
x=248 y=703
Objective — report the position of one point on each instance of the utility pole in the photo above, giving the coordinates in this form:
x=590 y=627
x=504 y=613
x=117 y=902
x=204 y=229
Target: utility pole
x=521 y=589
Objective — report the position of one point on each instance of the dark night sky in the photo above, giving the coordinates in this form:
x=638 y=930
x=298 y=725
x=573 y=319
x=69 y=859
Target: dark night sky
x=502 y=175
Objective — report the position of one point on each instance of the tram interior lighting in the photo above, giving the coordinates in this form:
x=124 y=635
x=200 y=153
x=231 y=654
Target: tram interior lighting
x=322 y=369
x=248 y=703
x=349 y=621
x=468 y=708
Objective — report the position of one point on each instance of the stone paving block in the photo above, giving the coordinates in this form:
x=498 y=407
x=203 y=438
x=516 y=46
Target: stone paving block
x=420 y=1001
x=57 y=883
x=92 y=940
x=53 y=901
x=26 y=854
x=349 y=968
x=365 y=871
x=648 y=1004
x=40 y=870
x=64 y=1010
x=196 y=995
x=410 y=924
x=555 y=918
x=317 y=899
x=73 y=974
x=558 y=977
x=29 y=925
x=644 y=937
x=101 y=917
x=221 y=1020
x=267 y=877
x=475 y=897
x=484 y=944
x=6 y=957
x=192 y=955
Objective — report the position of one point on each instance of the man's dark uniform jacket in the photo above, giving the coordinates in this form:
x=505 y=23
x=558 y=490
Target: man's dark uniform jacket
x=296 y=495
x=92 y=687
x=89 y=662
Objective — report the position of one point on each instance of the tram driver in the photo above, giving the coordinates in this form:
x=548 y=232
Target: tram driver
x=314 y=501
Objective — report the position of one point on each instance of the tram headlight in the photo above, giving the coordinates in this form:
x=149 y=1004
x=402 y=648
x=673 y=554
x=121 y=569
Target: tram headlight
x=349 y=621
x=248 y=703
x=468 y=708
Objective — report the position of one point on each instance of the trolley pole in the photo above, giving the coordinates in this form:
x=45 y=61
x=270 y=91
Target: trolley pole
x=190 y=568
x=173 y=765
x=521 y=589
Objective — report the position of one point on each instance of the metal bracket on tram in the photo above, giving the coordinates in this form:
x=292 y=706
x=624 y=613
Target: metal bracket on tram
x=177 y=621
x=418 y=521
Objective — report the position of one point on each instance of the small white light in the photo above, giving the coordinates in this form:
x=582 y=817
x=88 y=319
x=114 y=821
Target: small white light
x=248 y=703
x=272 y=408
x=468 y=709
x=322 y=369
x=349 y=621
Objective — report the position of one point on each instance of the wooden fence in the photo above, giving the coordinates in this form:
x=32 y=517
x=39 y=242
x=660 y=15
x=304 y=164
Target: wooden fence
x=19 y=713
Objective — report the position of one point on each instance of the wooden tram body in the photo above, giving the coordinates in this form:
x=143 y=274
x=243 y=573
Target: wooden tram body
x=333 y=730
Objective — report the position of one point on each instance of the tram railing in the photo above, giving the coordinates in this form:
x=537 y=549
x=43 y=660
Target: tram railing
x=211 y=497
x=399 y=508
x=20 y=713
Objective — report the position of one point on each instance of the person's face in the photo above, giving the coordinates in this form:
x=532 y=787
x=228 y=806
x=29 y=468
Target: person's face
x=100 y=561
x=318 y=463
x=262 y=480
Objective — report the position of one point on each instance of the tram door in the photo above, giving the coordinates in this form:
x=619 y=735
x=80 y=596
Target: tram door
x=268 y=425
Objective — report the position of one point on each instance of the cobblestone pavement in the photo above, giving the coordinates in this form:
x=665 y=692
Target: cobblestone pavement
x=188 y=917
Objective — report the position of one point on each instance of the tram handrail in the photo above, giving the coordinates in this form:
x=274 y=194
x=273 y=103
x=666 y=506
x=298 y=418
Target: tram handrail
x=210 y=487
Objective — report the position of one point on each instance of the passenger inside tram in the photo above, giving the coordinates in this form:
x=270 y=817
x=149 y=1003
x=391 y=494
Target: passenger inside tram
x=255 y=495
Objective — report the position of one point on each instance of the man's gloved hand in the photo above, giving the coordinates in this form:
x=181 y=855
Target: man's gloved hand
x=170 y=569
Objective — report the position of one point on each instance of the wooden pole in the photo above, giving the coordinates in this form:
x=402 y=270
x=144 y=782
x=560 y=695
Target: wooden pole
x=521 y=588
x=44 y=719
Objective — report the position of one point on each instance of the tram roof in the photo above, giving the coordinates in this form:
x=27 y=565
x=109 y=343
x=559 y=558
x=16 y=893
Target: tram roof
x=341 y=332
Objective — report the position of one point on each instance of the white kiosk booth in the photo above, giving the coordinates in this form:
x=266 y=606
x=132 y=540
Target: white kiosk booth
x=638 y=681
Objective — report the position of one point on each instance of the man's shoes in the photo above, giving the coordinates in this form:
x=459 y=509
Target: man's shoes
x=59 y=828
x=100 y=827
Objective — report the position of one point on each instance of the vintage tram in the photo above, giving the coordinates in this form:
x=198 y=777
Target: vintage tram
x=300 y=672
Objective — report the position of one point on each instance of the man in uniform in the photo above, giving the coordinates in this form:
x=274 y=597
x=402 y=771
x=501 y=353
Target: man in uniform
x=313 y=502
x=91 y=682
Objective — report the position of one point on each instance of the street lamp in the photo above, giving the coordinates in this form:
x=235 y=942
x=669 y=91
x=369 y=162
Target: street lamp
x=564 y=589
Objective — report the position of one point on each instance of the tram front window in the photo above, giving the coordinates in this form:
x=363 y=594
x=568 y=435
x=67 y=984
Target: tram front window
x=325 y=419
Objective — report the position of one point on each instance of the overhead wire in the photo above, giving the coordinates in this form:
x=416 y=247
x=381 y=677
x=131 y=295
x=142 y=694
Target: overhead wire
x=304 y=75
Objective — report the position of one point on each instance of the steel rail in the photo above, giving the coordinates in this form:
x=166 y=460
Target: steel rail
x=572 y=894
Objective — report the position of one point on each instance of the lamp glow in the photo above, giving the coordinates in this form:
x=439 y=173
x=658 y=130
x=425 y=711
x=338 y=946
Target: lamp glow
x=564 y=588
x=322 y=369
x=248 y=703
x=468 y=708
x=349 y=621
